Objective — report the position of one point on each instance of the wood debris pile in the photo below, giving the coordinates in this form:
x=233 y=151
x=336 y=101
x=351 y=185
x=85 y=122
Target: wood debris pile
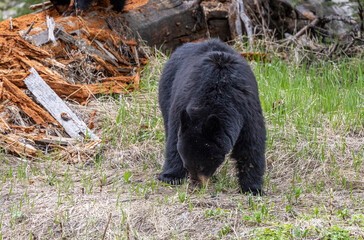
x=77 y=57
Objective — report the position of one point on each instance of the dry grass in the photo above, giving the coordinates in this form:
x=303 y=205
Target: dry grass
x=314 y=182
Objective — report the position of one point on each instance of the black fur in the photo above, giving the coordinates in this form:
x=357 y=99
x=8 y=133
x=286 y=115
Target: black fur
x=210 y=105
x=83 y=5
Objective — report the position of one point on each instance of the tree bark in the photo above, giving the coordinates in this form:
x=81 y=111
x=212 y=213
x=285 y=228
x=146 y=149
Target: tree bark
x=169 y=23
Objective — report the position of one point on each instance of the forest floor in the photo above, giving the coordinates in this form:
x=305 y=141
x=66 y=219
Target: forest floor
x=314 y=184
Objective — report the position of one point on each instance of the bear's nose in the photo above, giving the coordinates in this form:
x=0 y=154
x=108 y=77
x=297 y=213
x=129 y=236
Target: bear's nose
x=185 y=166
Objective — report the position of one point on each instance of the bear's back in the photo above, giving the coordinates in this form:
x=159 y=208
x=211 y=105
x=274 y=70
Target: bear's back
x=211 y=72
x=210 y=76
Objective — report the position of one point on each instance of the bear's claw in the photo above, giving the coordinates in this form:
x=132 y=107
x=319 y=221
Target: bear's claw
x=170 y=179
x=254 y=192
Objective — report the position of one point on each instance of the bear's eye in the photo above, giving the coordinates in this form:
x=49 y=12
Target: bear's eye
x=214 y=160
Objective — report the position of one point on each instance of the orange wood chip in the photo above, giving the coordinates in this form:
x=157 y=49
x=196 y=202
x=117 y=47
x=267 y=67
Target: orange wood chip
x=18 y=97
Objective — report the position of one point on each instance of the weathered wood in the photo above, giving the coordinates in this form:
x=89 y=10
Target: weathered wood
x=1 y=90
x=73 y=126
x=29 y=29
x=19 y=98
x=12 y=143
x=22 y=129
x=40 y=5
x=39 y=39
x=54 y=140
x=246 y=20
x=302 y=31
x=22 y=57
x=83 y=93
x=30 y=47
x=51 y=25
x=105 y=50
x=170 y=23
x=82 y=45
x=4 y=126
x=113 y=70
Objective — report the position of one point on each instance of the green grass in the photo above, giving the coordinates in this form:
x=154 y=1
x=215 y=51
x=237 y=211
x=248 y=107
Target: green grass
x=20 y=11
x=315 y=120
x=307 y=95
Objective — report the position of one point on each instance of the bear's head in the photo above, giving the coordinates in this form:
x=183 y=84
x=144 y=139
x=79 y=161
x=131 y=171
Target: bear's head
x=201 y=145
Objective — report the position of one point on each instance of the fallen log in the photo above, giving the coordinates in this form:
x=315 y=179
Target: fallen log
x=169 y=23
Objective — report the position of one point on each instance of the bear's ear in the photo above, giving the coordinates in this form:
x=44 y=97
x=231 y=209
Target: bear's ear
x=185 y=120
x=212 y=124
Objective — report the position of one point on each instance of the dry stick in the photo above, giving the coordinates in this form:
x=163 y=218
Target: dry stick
x=359 y=39
x=323 y=31
x=345 y=19
x=349 y=45
x=136 y=56
x=83 y=46
x=246 y=20
x=127 y=231
x=237 y=21
x=333 y=49
x=331 y=200
x=60 y=225
x=40 y=5
x=303 y=30
x=29 y=29
x=107 y=224
x=247 y=23
x=261 y=16
x=105 y=50
x=208 y=35
x=360 y=12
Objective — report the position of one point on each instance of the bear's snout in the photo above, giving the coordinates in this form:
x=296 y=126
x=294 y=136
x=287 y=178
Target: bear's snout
x=199 y=180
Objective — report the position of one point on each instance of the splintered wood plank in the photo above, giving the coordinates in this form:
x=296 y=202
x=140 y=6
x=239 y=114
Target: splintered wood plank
x=105 y=65
x=22 y=57
x=31 y=48
x=108 y=87
x=73 y=126
x=17 y=96
x=22 y=129
x=1 y=90
x=82 y=93
x=124 y=79
x=11 y=142
x=47 y=139
x=82 y=45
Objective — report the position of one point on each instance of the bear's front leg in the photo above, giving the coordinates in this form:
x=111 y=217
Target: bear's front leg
x=250 y=175
x=173 y=170
x=250 y=164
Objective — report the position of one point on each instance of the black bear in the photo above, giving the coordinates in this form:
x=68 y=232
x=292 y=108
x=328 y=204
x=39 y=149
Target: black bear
x=210 y=105
x=62 y=5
